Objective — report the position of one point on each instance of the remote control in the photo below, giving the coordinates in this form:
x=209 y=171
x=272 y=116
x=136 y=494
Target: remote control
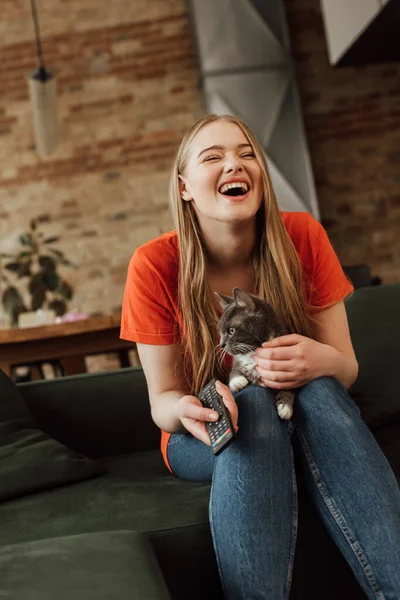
x=221 y=432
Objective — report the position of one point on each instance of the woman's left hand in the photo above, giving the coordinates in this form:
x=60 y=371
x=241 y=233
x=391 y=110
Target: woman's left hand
x=293 y=360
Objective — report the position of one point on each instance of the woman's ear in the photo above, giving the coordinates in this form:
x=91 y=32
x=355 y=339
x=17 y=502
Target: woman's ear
x=183 y=189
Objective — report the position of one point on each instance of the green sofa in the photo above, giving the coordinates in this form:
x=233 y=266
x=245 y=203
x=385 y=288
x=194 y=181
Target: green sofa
x=130 y=529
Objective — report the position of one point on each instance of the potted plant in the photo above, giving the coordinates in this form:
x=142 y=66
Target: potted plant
x=34 y=270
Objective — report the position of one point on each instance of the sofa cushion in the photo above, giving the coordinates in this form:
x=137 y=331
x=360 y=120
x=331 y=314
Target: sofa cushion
x=374 y=319
x=110 y=564
x=137 y=492
x=30 y=460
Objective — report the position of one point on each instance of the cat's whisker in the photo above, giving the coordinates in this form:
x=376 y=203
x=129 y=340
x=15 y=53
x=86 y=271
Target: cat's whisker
x=245 y=348
x=218 y=350
x=219 y=353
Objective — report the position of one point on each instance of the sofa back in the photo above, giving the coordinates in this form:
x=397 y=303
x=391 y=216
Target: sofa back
x=374 y=319
x=98 y=414
x=108 y=413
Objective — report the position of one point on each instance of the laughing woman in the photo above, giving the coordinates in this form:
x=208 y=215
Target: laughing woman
x=231 y=233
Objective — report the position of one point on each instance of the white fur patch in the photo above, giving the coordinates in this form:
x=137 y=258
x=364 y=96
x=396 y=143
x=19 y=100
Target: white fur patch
x=246 y=360
x=284 y=411
x=238 y=383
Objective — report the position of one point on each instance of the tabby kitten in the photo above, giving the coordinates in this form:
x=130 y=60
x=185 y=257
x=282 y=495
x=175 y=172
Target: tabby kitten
x=246 y=323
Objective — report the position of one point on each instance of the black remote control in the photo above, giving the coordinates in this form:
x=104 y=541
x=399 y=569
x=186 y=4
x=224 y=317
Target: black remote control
x=221 y=432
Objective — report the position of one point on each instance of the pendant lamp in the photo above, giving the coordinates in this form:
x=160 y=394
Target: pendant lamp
x=43 y=97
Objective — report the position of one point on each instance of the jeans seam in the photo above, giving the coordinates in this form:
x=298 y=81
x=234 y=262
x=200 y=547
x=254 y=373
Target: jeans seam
x=339 y=518
x=294 y=527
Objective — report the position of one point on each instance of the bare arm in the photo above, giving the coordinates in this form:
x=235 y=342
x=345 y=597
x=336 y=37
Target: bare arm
x=172 y=408
x=163 y=383
x=331 y=327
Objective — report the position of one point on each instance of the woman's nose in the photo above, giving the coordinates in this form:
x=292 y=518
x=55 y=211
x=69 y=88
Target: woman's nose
x=232 y=165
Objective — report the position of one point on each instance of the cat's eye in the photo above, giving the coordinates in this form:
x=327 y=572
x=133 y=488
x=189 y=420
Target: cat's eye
x=231 y=330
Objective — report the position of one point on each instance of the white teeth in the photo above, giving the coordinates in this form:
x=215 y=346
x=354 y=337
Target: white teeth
x=236 y=184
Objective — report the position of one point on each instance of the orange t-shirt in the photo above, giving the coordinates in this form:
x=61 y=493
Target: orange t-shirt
x=150 y=313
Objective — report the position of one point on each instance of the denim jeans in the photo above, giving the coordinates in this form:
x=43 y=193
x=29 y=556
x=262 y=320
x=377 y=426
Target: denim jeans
x=253 y=501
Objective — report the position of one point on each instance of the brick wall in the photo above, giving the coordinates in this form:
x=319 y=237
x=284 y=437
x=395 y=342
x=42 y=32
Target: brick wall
x=128 y=87
x=352 y=121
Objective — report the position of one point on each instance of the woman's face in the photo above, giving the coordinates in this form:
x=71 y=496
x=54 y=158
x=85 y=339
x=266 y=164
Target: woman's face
x=222 y=178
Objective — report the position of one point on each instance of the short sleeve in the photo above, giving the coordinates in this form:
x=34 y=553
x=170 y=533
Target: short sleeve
x=147 y=312
x=329 y=282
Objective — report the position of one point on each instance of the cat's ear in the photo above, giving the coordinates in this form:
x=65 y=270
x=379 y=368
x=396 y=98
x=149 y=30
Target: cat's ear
x=224 y=300
x=242 y=298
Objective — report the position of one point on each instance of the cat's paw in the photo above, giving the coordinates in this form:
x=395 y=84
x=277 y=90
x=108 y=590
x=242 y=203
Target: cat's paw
x=284 y=404
x=284 y=411
x=237 y=383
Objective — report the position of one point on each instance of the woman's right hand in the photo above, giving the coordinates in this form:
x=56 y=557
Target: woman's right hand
x=193 y=415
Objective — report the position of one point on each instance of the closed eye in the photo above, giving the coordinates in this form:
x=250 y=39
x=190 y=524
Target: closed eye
x=211 y=158
x=249 y=155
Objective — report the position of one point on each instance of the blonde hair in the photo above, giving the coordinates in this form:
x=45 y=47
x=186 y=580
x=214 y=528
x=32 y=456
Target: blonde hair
x=278 y=271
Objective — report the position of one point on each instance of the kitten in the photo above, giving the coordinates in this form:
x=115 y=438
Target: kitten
x=246 y=323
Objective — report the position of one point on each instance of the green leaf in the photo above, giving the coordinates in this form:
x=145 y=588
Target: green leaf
x=26 y=239
x=56 y=252
x=65 y=290
x=25 y=269
x=51 y=280
x=10 y=298
x=38 y=297
x=36 y=282
x=13 y=304
x=14 y=267
x=47 y=263
x=51 y=240
x=59 y=307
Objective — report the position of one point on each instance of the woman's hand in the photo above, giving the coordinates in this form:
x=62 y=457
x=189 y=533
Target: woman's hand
x=293 y=360
x=193 y=415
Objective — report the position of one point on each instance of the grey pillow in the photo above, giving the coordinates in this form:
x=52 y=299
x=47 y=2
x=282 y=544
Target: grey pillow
x=30 y=460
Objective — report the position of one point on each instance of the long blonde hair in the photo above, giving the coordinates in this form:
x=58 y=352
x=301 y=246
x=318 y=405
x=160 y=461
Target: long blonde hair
x=277 y=268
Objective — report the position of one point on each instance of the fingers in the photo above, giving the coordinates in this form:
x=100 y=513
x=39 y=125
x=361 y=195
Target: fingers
x=229 y=401
x=193 y=417
x=197 y=429
x=285 y=340
x=276 y=354
x=190 y=407
x=276 y=376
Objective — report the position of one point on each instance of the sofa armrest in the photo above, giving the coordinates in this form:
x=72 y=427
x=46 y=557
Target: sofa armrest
x=97 y=414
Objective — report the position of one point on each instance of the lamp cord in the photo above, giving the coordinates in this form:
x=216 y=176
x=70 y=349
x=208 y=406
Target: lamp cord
x=42 y=69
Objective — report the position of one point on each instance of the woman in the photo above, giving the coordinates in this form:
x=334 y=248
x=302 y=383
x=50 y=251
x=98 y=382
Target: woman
x=224 y=241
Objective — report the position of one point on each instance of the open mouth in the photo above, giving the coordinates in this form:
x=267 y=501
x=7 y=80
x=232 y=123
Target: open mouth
x=239 y=188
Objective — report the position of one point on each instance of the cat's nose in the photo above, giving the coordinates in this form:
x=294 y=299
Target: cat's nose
x=222 y=344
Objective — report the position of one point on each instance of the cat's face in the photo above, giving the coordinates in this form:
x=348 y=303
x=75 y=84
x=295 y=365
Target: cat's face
x=246 y=323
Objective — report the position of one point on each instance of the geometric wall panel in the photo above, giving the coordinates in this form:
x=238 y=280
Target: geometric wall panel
x=247 y=70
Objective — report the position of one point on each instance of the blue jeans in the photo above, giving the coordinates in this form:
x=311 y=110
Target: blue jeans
x=253 y=502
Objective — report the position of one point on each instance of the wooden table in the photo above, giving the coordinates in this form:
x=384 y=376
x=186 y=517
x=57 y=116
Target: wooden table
x=67 y=342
